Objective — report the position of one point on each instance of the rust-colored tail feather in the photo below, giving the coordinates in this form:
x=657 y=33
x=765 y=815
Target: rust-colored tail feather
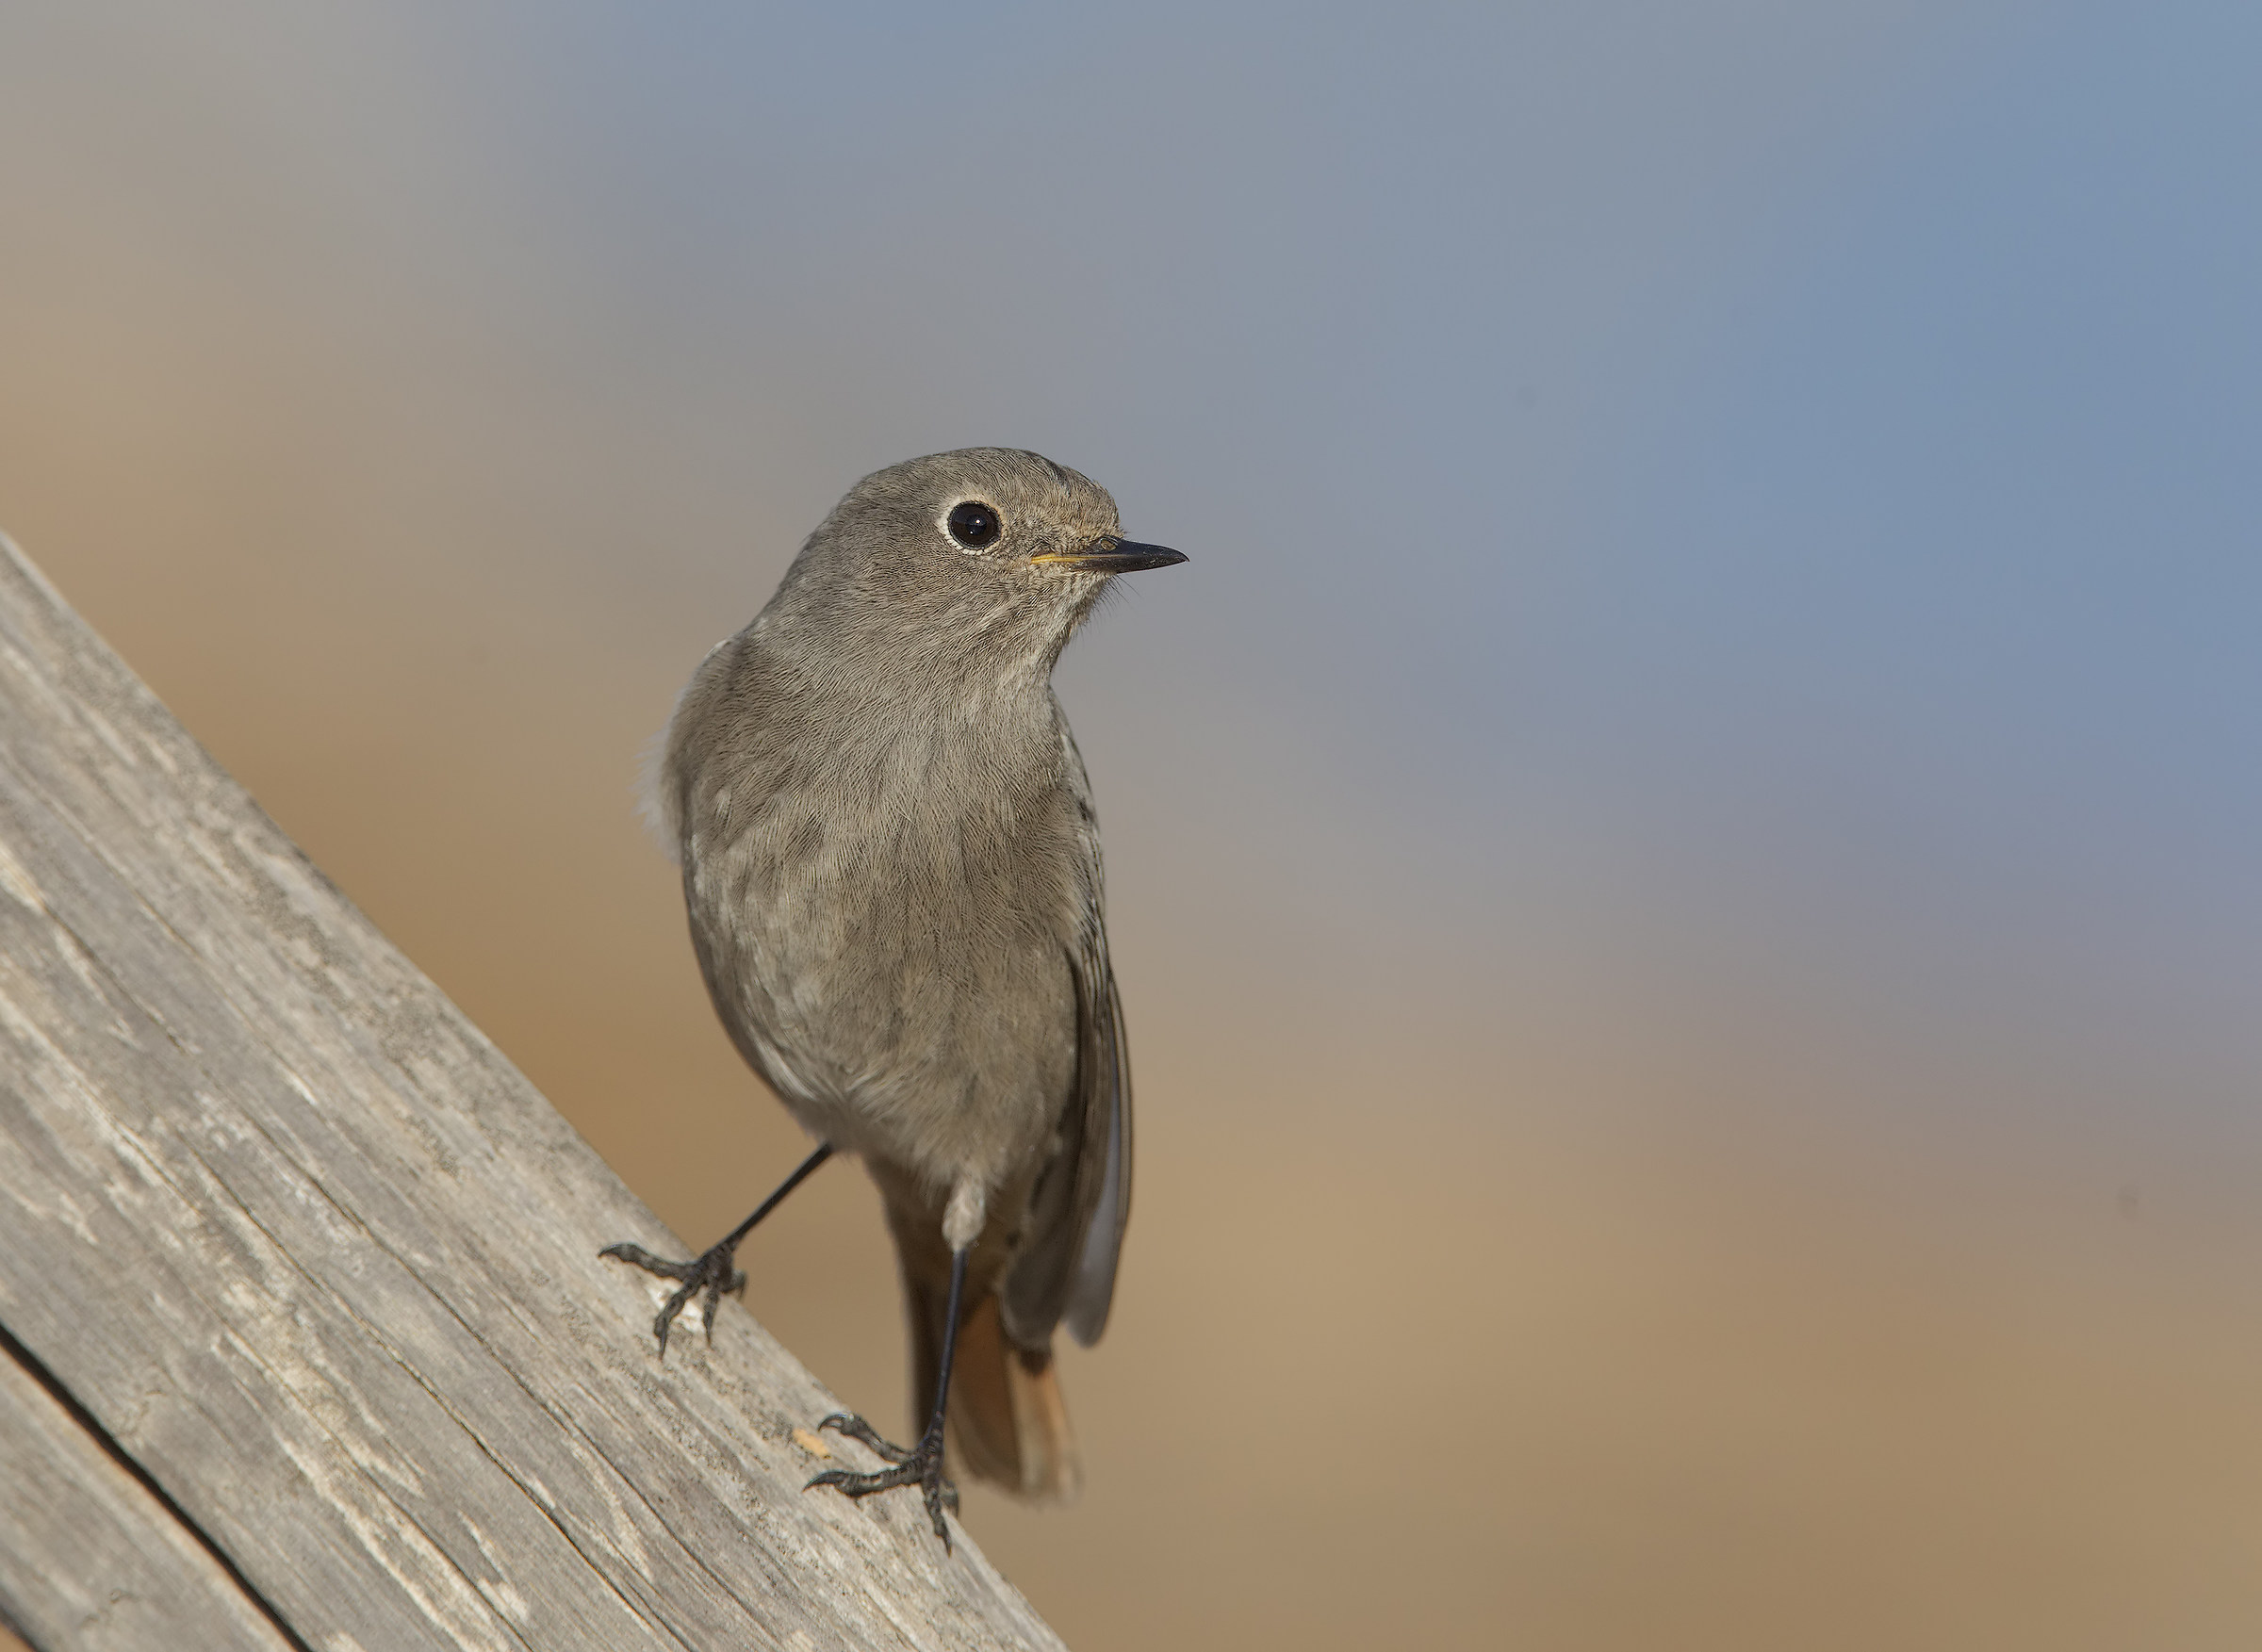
x=1008 y=1423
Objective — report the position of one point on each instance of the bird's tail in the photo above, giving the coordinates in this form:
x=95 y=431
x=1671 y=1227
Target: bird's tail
x=1008 y=1423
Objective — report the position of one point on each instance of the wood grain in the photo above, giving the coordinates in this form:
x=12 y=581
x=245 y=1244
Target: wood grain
x=323 y=1264
x=91 y=1560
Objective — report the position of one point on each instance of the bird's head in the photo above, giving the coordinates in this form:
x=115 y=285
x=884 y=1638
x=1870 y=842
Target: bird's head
x=976 y=561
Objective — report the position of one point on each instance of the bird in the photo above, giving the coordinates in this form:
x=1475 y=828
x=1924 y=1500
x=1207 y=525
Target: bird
x=891 y=867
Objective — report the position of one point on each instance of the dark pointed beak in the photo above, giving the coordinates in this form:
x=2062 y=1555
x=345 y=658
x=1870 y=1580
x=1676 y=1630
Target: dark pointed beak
x=1110 y=555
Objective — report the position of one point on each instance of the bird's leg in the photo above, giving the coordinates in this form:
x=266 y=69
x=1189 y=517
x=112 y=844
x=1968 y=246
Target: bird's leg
x=712 y=1272
x=922 y=1465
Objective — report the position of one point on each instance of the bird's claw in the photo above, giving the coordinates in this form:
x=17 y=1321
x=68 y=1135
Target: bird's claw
x=922 y=1466
x=856 y=1428
x=711 y=1272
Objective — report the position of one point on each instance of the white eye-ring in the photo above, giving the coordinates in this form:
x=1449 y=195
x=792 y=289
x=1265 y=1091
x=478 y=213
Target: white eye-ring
x=975 y=525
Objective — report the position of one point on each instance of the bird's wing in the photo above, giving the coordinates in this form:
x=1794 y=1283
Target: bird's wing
x=1103 y=1077
x=1065 y=1264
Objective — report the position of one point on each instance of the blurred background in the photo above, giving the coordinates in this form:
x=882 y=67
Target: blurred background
x=1683 y=857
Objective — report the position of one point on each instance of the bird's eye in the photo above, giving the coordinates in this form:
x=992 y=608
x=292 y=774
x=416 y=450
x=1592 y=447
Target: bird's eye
x=974 y=524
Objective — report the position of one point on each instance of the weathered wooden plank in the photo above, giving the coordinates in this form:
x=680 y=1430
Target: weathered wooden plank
x=323 y=1261
x=89 y=1558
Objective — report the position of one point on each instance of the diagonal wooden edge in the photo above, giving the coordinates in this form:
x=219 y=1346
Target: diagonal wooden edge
x=321 y=1264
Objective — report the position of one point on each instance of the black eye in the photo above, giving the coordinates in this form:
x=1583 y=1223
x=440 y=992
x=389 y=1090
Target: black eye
x=975 y=525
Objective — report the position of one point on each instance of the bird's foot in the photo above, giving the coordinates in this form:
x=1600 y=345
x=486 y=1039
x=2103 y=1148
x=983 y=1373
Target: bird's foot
x=922 y=1466
x=711 y=1273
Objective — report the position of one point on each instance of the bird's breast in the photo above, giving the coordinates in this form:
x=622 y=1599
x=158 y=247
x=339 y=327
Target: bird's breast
x=886 y=927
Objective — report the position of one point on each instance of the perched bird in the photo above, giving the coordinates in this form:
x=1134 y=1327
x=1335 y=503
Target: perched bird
x=892 y=872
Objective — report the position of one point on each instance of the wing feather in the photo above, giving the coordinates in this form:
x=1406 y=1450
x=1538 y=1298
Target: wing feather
x=1065 y=1264
x=1108 y=1121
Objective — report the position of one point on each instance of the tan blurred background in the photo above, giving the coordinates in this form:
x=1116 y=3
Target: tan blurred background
x=1685 y=893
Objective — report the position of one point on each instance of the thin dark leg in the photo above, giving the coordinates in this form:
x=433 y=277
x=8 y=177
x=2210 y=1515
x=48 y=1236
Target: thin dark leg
x=711 y=1273
x=922 y=1465
x=808 y=1165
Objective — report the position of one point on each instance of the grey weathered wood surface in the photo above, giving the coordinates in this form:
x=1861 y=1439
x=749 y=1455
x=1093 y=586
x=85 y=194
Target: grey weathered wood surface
x=95 y=1560
x=322 y=1264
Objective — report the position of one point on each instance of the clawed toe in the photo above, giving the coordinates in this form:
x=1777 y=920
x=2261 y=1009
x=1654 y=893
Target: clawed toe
x=711 y=1273
x=921 y=1467
x=856 y=1428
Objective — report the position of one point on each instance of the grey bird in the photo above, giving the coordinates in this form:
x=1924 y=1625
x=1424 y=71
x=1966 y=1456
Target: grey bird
x=891 y=868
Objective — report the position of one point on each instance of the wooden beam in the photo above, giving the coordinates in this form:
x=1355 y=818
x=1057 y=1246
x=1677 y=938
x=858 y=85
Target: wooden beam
x=318 y=1262
x=96 y=1560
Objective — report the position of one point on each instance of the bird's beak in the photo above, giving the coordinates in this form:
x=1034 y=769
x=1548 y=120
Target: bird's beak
x=1110 y=555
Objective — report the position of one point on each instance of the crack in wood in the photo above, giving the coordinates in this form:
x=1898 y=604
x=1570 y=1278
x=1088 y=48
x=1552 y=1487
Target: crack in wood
x=35 y=1368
